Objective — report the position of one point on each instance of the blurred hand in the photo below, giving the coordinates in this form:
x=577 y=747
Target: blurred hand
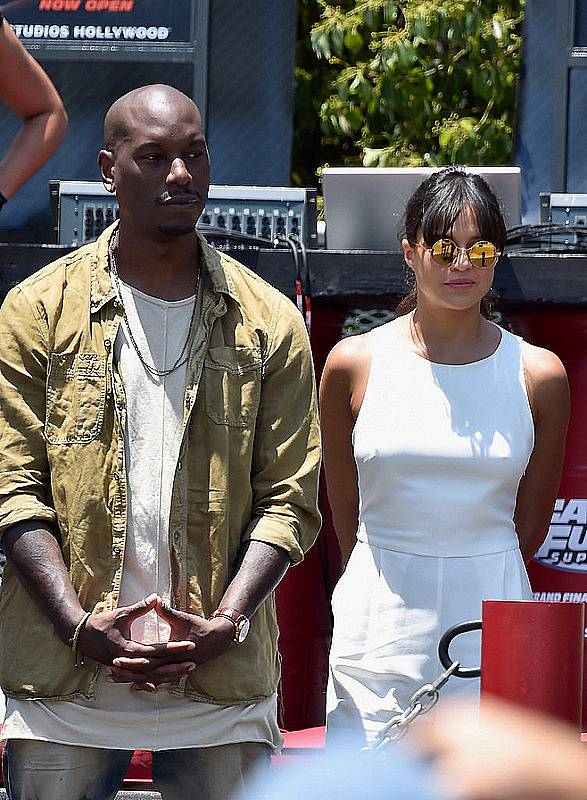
x=502 y=752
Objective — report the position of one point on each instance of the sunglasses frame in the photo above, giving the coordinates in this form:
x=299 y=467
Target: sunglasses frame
x=459 y=251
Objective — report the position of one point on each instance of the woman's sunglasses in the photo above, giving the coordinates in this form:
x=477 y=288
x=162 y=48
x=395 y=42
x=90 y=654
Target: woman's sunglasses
x=445 y=252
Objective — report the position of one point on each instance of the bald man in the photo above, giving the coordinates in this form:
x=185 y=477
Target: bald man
x=158 y=476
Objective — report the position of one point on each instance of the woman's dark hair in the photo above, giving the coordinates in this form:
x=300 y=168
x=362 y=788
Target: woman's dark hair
x=434 y=207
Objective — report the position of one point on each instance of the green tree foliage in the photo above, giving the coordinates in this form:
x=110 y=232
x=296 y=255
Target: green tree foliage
x=417 y=82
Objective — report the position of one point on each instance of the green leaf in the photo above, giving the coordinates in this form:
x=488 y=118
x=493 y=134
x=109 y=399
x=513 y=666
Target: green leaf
x=389 y=13
x=337 y=39
x=369 y=18
x=353 y=42
x=355 y=118
x=321 y=44
x=468 y=124
x=420 y=28
x=446 y=138
x=405 y=54
x=370 y=157
x=356 y=82
x=388 y=89
x=343 y=90
x=498 y=30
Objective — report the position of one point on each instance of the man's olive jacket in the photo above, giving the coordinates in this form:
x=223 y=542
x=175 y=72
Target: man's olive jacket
x=247 y=469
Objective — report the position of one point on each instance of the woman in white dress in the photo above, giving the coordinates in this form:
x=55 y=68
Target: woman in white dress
x=443 y=450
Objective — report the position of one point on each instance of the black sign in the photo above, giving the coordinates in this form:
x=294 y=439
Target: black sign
x=103 y=21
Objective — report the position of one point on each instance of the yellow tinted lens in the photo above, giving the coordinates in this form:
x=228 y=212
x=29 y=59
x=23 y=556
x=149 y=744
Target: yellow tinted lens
x=483 y=254
x=444 y=252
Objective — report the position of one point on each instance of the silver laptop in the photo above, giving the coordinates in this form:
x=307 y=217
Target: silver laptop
x=364 y=206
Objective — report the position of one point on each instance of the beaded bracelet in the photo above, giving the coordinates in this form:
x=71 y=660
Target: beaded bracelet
x=79 y=657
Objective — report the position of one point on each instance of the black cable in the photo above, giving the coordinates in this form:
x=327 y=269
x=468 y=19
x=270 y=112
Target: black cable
x=543 y=238
x=299 y=292
x=234 y=238
x=306 y=284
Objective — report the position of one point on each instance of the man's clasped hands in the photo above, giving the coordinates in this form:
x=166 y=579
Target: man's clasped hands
x=106 y=638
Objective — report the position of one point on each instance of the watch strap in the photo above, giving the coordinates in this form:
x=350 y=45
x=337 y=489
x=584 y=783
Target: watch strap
x=238 y=619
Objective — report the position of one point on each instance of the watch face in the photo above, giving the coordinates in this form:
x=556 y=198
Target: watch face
x=242 y=630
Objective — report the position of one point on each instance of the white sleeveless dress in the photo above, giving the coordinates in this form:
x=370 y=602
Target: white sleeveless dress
x=440 y=450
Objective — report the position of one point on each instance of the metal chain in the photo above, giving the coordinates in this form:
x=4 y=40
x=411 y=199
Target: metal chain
x=421 y=703
x=160 y=373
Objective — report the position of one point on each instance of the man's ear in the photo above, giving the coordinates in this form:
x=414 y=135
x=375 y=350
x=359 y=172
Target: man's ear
x=106 y=164
x=408 y=253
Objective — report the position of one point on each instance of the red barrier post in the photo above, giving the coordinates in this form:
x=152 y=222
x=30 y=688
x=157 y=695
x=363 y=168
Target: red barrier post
x=532 y=655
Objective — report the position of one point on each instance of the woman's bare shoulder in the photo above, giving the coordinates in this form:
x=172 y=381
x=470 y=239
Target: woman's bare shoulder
x=350 y=352
x=542 y=365
x=345 y=377
x=546 y=382
x=351 y=355
x=354 y=352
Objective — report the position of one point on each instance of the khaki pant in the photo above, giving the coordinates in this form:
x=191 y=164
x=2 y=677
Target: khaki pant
x=47 y=771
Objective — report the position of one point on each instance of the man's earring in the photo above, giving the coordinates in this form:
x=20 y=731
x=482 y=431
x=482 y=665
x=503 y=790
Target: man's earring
x=109 y=186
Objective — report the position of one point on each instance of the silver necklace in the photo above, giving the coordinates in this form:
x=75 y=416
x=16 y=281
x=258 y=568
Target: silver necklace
x=183 y=357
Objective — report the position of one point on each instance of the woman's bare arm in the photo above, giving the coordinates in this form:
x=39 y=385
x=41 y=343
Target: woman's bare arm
x=341 y=393
x=27 y=90
x=548 y=392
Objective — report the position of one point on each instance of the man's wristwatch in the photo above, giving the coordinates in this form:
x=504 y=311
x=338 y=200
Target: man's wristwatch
x=241 y=623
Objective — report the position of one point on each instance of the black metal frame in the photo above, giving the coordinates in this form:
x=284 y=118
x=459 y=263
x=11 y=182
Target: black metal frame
x=574 y=57
x=367 y=279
